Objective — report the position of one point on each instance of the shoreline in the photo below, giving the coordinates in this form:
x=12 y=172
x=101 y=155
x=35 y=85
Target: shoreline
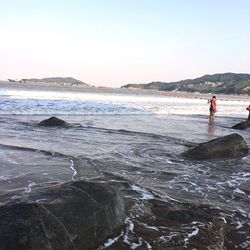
x=83 y=88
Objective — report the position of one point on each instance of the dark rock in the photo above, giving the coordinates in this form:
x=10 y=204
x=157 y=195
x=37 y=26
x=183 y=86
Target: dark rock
x=75 y=215
x=54 y=122
x=242 y=125
x=163 y=225
x=245 y=186
x=228 y=146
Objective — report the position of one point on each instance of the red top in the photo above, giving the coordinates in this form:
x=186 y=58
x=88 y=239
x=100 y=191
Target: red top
x=248 y=108
x=213 y=104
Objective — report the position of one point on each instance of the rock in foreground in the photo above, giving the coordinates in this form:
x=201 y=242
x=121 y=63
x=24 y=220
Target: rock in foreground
x=54 y=122
x=75 y=215
x=228 y=146
x=242 y=125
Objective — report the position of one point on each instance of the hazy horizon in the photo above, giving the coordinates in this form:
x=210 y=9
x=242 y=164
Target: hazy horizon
x=113 y=43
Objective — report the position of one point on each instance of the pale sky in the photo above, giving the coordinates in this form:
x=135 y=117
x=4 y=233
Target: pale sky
x=115 y=42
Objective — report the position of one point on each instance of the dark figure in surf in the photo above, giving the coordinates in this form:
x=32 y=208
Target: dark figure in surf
x=212 y=108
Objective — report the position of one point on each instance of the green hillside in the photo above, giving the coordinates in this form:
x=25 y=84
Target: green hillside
x=65 y=80
x=227 y=83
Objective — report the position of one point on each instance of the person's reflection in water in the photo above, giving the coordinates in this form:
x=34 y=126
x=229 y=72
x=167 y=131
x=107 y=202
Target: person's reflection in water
x=211 y=128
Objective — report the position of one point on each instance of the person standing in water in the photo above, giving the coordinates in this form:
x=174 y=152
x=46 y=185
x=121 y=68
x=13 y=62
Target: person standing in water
x=212 y=108
x=248 y=108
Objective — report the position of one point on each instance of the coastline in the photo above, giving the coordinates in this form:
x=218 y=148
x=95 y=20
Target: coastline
x=142 y=156
x=83 y=88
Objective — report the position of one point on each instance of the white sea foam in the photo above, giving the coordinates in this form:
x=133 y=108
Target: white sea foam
x=5 y=178
x=145 y=194
x=58 y=102
x=130 y=224
x=239 y=191
x=73 y=169
x=150 y=227
x=239 y=225
x=28 y=189
x=110 y=242
x=190 y=235
x=136 y=245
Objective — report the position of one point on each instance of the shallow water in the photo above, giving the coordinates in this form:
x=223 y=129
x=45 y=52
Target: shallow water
x=142 y=149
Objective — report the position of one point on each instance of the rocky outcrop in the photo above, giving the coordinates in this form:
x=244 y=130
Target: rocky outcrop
x=242 y=125
x=228 y=146
x=75 y=215
x=54 y=122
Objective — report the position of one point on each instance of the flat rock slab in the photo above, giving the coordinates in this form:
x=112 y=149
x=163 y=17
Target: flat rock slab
x=75 y=215
x=228 y=146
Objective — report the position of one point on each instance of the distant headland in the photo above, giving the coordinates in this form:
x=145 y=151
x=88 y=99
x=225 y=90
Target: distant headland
x=226 y=83
x=58 y=80
x=222 y=83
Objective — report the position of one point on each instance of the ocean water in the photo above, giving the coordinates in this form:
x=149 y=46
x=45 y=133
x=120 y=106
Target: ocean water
x=136 y=139
x=31 y=102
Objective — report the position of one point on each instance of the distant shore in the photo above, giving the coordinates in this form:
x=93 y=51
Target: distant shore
x=84 y=88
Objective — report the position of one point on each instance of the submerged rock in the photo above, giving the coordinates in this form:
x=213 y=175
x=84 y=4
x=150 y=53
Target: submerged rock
x=245 y=186
x=167 y=225
x=242 y=125
x=54 y=122
x=75 y=215
x=228 y=146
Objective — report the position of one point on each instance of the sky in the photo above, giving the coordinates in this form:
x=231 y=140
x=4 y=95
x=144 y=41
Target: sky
x=115 y=42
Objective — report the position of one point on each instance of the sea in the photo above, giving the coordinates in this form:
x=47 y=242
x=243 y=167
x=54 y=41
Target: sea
x=135 y=140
